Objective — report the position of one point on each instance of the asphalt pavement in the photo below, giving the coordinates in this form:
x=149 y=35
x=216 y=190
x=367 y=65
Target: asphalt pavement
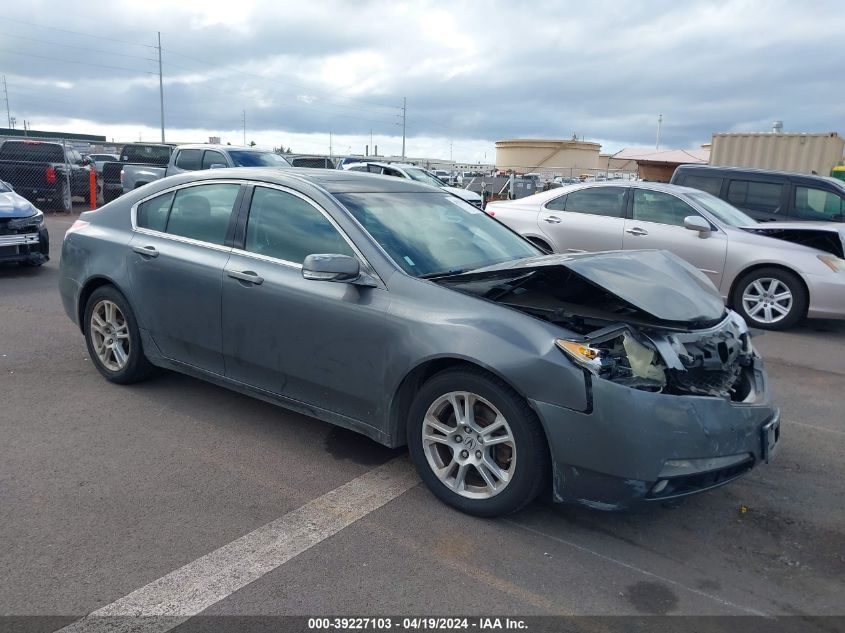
x=177 y=492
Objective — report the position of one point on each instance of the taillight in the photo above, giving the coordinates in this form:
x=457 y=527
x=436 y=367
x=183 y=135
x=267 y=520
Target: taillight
x=76 y=226
x=50 y=174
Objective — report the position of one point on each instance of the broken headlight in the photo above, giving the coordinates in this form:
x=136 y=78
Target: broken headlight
x=618 y=356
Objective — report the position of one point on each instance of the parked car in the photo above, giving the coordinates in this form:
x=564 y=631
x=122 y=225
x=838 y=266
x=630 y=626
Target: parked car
x=196 y=157
x=773 y=274
x=98 y=160
x=135 y=155
x=413 y=172
x=396 y=310
x=769 y=195
x=42 y=170
x=23 y=234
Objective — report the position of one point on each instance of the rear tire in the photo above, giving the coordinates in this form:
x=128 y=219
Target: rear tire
x=770 y=298
x=64 y=202
x=490 y=463
x=113 y=339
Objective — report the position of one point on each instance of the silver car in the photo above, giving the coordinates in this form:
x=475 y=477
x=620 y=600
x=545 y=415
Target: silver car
x=772 y=273
x=399 y=311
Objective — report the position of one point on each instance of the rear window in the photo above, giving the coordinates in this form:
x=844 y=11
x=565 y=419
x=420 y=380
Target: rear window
x=147 y=154
x=189 y=159
x=32 y=151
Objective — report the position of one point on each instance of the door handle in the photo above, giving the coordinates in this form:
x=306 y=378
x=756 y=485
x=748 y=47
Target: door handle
x=247 y=276
x=553 y=219
x=146 y=251
x=636 y=231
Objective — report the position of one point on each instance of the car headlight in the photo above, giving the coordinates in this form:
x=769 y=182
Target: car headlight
x=36 y=219
x=833 y=262
x=621 y=358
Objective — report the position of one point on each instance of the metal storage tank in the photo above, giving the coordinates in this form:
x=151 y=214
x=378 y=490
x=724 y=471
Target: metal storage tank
x=542 y=155
x=803 y=153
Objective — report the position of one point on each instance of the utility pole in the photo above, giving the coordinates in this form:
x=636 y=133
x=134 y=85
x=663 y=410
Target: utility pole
x=404 y=115
x=450 y=152
x=243 y=121
x=6 y=91
x=330 y=143
x=659 y=123
x=160 y=87
x=371 y=138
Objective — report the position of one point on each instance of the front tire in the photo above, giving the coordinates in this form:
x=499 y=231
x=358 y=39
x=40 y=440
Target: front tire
x=770 y=298
x=113 y=338
x=476 y=443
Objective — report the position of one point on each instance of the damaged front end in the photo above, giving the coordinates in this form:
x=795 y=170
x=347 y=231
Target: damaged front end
x=677 y=401
x=707 y=363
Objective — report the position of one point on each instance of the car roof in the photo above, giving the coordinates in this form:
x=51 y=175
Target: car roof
x=240 y=148
x=726 y=170
x=330 y=180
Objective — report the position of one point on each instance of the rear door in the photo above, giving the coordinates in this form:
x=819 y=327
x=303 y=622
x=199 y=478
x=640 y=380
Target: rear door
x=316 y=342
x=589 y=219
x=657 y=221
x=181 y=243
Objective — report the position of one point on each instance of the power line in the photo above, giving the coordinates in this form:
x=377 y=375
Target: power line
x=71 y=61
x=84 y=48
x=55 y=28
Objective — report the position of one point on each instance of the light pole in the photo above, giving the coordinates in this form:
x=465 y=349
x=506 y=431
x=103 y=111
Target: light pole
x=659 y=123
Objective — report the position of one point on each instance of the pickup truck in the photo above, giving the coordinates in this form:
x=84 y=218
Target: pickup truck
x=195 y=157
x=42 y=170
x=134 y=155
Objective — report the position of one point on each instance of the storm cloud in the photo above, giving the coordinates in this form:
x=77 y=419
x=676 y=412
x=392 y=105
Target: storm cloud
x=472 y=72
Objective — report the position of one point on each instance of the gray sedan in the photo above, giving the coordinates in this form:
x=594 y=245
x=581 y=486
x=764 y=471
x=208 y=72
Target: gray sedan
x=772 y=273
x=396 y=310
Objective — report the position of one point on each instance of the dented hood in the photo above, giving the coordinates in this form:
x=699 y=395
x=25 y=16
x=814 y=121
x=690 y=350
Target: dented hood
x=657 y=283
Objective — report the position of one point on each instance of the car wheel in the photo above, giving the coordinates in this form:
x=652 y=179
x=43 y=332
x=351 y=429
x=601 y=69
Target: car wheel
x=32 y=263
x=541 y=244
x=770 y=298
x=476 y=443
x=112 y=337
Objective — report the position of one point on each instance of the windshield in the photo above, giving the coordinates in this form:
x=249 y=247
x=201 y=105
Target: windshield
x=431 y=234
x=723 y=211
x=421 y=175
x=243 y=158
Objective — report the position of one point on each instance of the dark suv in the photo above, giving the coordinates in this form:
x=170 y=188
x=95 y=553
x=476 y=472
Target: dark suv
x=769 y=195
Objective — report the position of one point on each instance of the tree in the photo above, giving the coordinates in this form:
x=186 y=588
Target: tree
x=252 y=143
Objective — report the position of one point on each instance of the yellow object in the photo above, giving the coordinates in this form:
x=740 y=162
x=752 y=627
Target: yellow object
x=577 y=350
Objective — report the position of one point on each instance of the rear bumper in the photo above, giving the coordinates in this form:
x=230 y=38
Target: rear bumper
x=617 y=455
x=22 y=247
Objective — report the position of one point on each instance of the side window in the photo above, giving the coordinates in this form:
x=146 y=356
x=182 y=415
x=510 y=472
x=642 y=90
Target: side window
x=597 y=201
x=284 y=226
x=375 y=169
x=817 y=204
x=558 y=204
x=203 y=212
x=358 y=168
x=212 y=158
x=152 y=214
x=710 y=184
x=391 y=172
x=659 y=207
x=754 y=195
x=189 y=159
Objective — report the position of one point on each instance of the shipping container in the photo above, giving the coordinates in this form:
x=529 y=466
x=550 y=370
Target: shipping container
x=801 y=153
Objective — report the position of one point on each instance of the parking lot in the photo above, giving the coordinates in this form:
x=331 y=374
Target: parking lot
x=106 y=489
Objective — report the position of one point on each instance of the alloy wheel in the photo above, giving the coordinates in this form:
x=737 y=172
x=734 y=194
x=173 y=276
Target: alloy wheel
x=469 y=445
x=767 y=300
x=110 y=335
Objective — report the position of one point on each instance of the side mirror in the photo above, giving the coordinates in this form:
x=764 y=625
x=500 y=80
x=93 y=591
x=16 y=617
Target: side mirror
x=697 y=223
x=332 y=267
x=217 y=166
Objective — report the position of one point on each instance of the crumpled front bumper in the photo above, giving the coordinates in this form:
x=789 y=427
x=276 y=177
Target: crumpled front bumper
x=615 y=455
x=21 y=247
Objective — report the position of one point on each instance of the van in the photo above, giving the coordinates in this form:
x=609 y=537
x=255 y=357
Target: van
x=767 y=195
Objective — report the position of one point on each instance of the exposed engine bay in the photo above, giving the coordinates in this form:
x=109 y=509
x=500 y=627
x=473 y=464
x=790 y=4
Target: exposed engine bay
x=823 y=239
x=624 y=342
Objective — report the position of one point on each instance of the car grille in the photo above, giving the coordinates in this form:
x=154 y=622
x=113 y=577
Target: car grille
x=18 y=230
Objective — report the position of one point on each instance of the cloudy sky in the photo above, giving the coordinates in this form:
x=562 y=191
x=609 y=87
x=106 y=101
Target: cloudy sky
x=472 y=72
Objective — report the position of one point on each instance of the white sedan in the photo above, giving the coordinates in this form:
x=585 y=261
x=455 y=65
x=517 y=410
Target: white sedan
x=772 y=273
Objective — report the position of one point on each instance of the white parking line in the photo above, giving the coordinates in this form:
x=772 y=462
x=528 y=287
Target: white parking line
x=189 y=590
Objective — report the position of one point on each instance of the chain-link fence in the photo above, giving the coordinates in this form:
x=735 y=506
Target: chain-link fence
x=52 y=173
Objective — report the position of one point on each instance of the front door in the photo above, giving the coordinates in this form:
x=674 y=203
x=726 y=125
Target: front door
x=657 y=221
x=316 y=342
x=175 y=267
x=590 y=219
